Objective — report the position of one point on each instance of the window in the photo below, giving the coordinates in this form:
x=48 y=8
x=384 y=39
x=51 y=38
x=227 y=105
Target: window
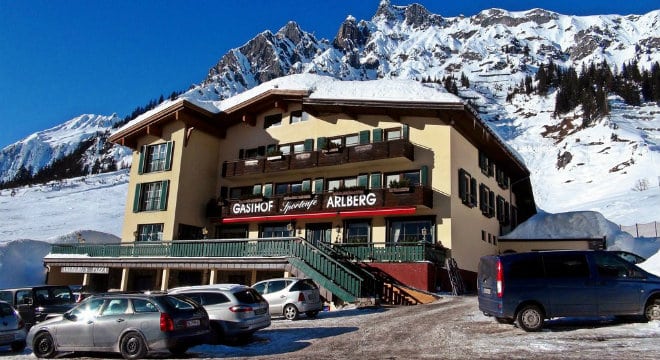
x=232 y=232
x=348 y=183
x=155 y=158
x=486 y=201
x=415 y=230
x=274 y=230
x=566 y=266
x=393 y=134
x=272 y=120
x=486 y=164
x=143 y=306
x=241 y=192
x=467 y=188
x=357 y=232
x=151 y=196
x=408 y=178
x=285 y=149
x=293 y=187
x=299 y=148
x=352 y=140
x=296 y=117
x=150 y=232
x=502 y=210
x=502 y=179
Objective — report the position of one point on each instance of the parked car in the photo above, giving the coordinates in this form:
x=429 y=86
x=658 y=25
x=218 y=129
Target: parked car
x=234 y=310
x=527 y=288
x=36 y=303
x=12 y=327
x=131 y=324
x=289 y=297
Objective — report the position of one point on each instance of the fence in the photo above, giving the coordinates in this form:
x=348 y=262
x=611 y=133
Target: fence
x=651 y=229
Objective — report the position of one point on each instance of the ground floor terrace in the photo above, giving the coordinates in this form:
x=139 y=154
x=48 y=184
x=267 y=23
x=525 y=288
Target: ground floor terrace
x=345 y=272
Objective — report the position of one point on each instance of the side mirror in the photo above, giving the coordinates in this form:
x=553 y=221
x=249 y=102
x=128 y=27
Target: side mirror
x=70 y=316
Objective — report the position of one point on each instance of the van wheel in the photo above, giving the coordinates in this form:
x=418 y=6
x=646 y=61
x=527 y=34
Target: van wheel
x=652 y=310
x=530 y=318
x=290 y=312
x=43 y=345
x=132 y=346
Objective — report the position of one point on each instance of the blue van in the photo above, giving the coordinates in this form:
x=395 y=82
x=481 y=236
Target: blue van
x=527 y=288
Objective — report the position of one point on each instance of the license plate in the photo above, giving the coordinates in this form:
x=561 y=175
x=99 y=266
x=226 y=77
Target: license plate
x=486 y=291
x=192 y=323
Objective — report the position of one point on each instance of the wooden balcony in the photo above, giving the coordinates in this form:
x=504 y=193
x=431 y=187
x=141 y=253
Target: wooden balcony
x=400 y=148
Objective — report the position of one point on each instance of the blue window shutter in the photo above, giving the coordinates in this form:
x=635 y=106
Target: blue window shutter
x=143 y=152
x=378 y=134
x=136 y=199
x=268 y=190
x=163 y=195
x=168 y=157
x=321 y=143
x=256 y=189
x=424 y=175
x=405 y=131
x=306 y=185
x=363 y=180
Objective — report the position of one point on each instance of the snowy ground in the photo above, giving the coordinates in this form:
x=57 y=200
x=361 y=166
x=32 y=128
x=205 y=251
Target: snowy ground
x=451 y=328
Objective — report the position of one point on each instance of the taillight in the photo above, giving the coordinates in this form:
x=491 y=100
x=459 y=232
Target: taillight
x=240 y=308
x=301 y=297
x=166 y=322
x=500 y=278
x=21 y=324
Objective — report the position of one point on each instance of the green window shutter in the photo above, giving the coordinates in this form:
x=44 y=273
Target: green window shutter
x=256 y=189
x=268 y=190
x=136 y=199
x=270 y=149
x=363 y=180
x=163 y=194
x=473 y=191
x=364 y=137
x=309 y=144
x=168 y=157
x=321 y=143
x=143 y=153
x=378 y=134
x=376 y=180
x=307 y=185
x=318 y=186
x=462 y=186
x=405 y=131
x=424 y=175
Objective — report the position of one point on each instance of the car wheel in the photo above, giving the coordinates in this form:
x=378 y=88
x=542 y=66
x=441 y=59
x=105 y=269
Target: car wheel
x=312 y=314
x=132 y=346
x=18 y=346
x=43 y=345
x=530 y=318
x=652 y=310
x=507 y=321
x=290 y=312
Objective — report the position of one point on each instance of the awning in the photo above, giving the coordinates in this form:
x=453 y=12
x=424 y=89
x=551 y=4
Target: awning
x=323 y=215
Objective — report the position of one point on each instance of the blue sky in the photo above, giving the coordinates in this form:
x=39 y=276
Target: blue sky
x=63 y=58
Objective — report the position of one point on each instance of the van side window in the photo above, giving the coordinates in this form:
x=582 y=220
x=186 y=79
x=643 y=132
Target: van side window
x=614 y=267
x=566 y=266
x=526 y=268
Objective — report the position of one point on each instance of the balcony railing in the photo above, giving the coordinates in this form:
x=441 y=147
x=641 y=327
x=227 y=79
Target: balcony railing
x=399 y=148
x=403 y=252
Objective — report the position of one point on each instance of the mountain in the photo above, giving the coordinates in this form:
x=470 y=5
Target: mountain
x=495 y=53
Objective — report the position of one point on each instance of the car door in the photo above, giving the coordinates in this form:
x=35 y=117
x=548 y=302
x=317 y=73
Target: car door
x=619 y=285
x=570 y=286
x=275 y=295
x=75 y=329
x=113 y=319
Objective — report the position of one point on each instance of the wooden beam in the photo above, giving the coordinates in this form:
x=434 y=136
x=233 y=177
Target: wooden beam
x=280 y=104
x=155 y=130
x=249 y=119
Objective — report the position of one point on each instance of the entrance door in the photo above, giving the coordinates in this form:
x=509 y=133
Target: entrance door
x=315 y=233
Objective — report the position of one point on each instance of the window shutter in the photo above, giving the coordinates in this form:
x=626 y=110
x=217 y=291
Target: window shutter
x=307 y=185
x=268 y=190
x=163 y=194
x=376 y=182
x=364 y=137
x=136 y=199
x=378 y=134
x=405 y=131
x=309 y=144
x=256 y=189
x=270 y=149
x=363 y=180
x=224 y=192
x=462 y=186
x=318 y=186
x=168 y=156
x=473 y=191
x=424 y=175
x=143 y=153
x=321 y=143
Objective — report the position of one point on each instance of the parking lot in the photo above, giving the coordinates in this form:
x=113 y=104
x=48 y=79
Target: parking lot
x=451 y=328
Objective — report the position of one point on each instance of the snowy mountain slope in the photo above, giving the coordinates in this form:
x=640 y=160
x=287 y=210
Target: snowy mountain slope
x=495 y=50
